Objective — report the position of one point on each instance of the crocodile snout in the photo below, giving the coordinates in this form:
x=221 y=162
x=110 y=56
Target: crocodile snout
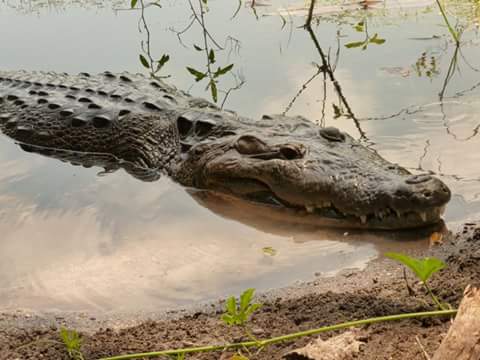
x=422 y=191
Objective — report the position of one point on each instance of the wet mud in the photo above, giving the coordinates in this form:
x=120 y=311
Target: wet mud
x=378 y=290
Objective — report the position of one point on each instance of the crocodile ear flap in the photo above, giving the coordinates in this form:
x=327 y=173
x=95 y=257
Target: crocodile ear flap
x=184 y=126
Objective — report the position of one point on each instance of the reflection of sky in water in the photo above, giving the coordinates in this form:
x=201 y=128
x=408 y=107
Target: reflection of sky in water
x=72 y=239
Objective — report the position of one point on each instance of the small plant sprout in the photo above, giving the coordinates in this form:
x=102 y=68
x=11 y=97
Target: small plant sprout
x=73 y=342
x=423 y=270
x=239 y=313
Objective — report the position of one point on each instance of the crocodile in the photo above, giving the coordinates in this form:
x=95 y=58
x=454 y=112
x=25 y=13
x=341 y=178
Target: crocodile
x=150 y=128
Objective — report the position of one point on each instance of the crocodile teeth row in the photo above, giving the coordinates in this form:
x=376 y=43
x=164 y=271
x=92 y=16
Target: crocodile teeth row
x=311 y=208
x=379 y=214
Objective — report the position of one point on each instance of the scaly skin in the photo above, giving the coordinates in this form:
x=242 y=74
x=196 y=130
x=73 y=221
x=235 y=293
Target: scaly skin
x=148 y=127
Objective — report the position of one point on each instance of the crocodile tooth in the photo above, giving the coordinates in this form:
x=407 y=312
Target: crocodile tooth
x=363 y=219
x=399 y=214
x=423 y=216
x=310 y=208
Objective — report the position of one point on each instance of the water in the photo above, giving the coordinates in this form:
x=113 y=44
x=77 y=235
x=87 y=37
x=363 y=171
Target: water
x=78 y=239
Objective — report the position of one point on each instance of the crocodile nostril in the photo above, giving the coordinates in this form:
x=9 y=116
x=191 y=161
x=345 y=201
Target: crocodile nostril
x=291 y=152
x=418 y=179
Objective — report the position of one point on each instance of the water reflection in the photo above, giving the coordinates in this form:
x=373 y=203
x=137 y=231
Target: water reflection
x=76 y=240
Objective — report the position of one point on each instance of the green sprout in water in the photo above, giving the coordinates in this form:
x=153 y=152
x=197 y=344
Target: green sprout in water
x=73 y=342
x=423 y=269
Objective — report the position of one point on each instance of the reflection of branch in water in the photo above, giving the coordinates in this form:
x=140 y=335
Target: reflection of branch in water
x=320 y=70
x=449 y=131
x=308 y=22
x=406 y=111
x=240 y=82
x=452 y=68
x=466 y=91
x=424 y=155
x=153 y=65
x=324 y=100
x=336 y=85
x=183 y=31
x=201 y=21
x=208 y=48
x=439 y=162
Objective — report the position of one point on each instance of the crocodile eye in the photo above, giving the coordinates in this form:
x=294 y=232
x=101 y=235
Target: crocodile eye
x=291 y=152
x=250 y=145
x=203 y=127
x=332 y=133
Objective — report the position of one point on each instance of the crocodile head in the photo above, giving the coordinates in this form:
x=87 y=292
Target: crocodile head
x=293 y=165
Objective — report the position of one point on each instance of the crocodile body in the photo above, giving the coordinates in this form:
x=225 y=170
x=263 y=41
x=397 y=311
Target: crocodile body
x=148 y=128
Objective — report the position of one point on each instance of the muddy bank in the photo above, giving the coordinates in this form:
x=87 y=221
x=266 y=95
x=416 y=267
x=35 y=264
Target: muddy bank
x=379 y=290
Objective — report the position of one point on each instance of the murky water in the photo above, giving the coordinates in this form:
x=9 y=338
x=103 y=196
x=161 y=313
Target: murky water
x=75 y=238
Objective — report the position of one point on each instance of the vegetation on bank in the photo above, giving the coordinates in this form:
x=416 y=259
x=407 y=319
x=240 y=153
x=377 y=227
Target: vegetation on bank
x=238 y=312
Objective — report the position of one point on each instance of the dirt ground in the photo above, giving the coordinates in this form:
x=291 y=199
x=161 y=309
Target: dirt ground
x=378 y=290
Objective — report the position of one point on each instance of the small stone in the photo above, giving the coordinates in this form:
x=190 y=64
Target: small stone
x=258 y=331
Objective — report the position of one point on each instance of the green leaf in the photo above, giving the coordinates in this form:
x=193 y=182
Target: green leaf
x=133 y=3
x=252 y=308
x=213 y=90
x=163 y=60
x=231 y=305
x=222 y=71
x=238 y=314
x=423 y=268
x=337 y=112
x=246 y=298
x=198 y=74
x=198 y=48
x=355 y=44
x=144 y=61
x=211 y=56
x=376 y=40
x=359 y=26
x=228 y=319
